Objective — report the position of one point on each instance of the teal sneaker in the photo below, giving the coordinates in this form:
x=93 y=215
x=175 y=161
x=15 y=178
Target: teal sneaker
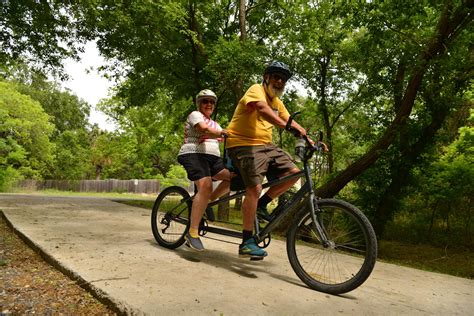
x=250 y=249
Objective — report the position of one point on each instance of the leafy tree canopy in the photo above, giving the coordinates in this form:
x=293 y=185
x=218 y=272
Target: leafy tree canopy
x=39 y=33
x=25 y=133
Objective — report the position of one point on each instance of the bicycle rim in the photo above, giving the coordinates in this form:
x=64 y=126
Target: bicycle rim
x=170 y=217
x=340 y=265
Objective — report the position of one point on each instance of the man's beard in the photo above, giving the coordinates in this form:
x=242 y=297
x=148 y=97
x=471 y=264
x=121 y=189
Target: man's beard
x=273 y=91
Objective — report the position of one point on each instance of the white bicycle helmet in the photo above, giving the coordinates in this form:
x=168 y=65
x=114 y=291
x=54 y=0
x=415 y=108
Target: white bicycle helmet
x=206 y=93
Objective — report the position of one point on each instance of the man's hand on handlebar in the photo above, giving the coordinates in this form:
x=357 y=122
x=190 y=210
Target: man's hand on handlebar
x=320 y=145
x=323 y=146
x=299 y=131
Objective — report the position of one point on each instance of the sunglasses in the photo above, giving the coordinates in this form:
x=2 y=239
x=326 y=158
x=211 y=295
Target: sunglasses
x=278 y=77
x=206 y=101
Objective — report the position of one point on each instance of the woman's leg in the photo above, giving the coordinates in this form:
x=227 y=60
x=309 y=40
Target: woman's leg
x=200 y=201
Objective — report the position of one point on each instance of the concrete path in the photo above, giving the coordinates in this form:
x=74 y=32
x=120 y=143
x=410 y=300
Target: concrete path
x=109 y=248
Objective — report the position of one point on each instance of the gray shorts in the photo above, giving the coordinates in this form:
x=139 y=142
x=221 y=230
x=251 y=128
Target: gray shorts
x=254 y=162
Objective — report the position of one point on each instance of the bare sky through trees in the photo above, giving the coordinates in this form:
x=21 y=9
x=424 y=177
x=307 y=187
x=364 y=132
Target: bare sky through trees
x=88 y=84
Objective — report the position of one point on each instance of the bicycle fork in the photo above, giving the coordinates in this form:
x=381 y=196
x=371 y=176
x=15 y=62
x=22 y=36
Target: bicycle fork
x=314 y=211
x=317 y=224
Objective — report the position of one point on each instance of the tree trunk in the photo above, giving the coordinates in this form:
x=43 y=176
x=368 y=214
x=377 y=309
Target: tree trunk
x=197 y=50
x=242 y=21
x=98 y=172
x=238 y=90
x=432 y=219
x=324 y=109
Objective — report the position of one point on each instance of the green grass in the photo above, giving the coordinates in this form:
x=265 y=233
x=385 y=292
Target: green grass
x=110 y=195
x=457 y=262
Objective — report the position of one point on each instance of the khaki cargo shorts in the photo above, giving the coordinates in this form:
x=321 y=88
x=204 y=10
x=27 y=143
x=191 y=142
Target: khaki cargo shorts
x=254 y=162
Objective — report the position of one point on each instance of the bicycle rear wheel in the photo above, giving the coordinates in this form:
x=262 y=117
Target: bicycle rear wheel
x=170 y=217
x=348 y=257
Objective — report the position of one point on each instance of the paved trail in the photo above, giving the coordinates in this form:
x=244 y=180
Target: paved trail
x=110 y=247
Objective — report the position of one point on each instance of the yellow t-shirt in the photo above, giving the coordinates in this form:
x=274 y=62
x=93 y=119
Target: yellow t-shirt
x=248 y=127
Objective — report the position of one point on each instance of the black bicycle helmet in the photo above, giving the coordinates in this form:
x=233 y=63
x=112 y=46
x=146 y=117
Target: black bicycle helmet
x=278 y=66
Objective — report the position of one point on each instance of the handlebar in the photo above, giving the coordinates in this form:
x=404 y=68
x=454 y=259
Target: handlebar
x=316 y=147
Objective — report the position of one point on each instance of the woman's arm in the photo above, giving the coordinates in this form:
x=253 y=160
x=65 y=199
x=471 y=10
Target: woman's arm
x=203 y=128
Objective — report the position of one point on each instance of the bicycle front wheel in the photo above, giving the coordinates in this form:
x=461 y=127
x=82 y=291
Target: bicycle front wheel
x=170 y=217
x=343 y=259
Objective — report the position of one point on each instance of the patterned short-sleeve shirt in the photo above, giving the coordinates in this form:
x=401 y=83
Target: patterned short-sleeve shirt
x=197 y=142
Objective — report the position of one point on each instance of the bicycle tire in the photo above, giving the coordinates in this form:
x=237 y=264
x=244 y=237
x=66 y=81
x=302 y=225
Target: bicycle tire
x=170 y=217
x=349 y=258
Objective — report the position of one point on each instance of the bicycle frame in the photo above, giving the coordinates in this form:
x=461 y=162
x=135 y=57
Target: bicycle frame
x=305 y=195
x=232 y=233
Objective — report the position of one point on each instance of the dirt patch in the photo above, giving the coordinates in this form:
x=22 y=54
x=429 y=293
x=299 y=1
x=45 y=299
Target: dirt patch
x=29 y=285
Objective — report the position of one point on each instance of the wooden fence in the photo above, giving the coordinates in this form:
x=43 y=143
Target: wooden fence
x=112 y=185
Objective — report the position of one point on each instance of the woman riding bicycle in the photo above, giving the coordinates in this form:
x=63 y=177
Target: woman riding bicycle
x=200 y=156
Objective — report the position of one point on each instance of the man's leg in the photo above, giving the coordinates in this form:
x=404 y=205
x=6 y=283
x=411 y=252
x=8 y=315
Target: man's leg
x=282 y=165
x=249 y=247
x=249 y=165
x=249 y=206
x=223 y=187
x=277 y=190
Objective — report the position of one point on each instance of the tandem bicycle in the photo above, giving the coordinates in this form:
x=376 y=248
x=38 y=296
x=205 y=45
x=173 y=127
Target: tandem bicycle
x=330 y=243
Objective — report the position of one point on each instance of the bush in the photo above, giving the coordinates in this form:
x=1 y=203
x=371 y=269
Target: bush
x=175 y=176
x=8 y=179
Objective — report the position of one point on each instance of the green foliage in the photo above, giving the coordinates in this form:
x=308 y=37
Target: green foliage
x=175 y=176
x=151 y=134
x=68 y=112
x=25 y=130
x=439 y=209
x=8 y=178
x=233 y=64
x=33 y=31
x=69 y=115
x=73 y=156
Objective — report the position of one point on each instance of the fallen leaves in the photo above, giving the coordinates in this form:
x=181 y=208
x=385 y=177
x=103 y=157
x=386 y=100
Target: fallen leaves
x=29 y=285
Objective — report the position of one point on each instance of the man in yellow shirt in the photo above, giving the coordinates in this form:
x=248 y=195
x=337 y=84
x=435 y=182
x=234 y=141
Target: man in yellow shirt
x=250 y=147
